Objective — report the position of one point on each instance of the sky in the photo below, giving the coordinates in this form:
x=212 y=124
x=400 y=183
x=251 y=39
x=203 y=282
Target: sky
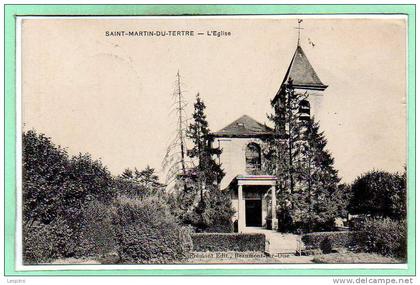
x=111 y=96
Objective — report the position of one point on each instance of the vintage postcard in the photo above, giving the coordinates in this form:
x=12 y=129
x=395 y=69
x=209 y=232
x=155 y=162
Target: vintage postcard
x=273 y=141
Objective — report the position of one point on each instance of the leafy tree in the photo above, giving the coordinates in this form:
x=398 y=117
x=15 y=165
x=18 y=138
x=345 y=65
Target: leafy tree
x=88 y=180
x=379 y=194
x=56 y=189
x=44 y=173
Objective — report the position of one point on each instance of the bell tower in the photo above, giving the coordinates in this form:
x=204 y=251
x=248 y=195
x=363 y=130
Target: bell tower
x=300 y=84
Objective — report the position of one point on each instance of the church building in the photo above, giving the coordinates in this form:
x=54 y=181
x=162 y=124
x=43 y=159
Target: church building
x=253 y=192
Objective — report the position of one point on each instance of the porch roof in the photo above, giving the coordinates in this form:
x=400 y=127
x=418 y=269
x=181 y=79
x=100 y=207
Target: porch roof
x=256 y=180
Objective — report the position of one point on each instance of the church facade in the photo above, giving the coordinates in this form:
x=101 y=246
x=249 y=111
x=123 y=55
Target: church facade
x=253 y=191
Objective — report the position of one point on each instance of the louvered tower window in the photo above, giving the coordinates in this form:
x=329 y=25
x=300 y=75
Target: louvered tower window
x=304 y=110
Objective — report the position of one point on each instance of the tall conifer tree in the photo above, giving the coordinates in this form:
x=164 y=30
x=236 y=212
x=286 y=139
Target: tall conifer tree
x=307 y=180
x=208 y=171
x=318 y=179
x=214 y=209
x=283 y=151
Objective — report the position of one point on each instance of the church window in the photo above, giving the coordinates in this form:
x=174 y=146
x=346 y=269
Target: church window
x=253 y=158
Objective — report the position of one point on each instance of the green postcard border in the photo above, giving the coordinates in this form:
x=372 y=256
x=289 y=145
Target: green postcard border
x=10 y=13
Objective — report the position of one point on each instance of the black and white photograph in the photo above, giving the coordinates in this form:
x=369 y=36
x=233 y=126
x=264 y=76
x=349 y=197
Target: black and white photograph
x=203 y=140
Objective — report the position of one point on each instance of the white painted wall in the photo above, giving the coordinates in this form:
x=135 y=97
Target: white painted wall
x=233 y=156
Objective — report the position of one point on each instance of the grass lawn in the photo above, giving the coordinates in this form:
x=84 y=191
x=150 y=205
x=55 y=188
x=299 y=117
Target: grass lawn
x=351 y=257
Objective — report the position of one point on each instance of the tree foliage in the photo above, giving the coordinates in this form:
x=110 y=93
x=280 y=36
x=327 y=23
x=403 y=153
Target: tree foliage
x=56 y=188
x=147 y=232
x=208 y=207
x=214 y=214
x=207 y=170
x=385 y=236
x=379 y=194
x=138 y=183
x=44 y=172
x=317 y=180
x=283 y=151
x=70 y=209
x=308 y=191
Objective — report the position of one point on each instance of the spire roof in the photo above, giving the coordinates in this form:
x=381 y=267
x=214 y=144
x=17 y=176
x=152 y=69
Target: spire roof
x=302 y=73
x=243 y=127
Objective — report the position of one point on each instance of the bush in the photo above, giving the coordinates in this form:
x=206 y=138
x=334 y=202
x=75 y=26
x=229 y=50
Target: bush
x=42 y=243
x=228 y=242
x=324 y=240
x=326 y=245
x=97 y=233
x=146 y=232
x=212 y=214
x=384 y=236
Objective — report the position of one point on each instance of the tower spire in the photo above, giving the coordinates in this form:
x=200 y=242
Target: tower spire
x=299 y=28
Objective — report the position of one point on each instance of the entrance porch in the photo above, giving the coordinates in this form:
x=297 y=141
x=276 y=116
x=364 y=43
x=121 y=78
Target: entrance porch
x=254 y=198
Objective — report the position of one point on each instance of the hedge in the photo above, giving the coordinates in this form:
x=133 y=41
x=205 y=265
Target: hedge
x=381 y=235
x=146 y=232
x=228 y=242
x=326 y=241
x=384 y=236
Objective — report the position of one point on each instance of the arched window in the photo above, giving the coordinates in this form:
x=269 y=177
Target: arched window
x=253 y=158
x=304 y=110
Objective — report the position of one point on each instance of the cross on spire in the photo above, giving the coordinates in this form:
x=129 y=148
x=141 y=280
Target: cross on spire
x=299 y=28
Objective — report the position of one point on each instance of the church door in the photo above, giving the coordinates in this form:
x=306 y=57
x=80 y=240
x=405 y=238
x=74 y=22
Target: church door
x=253 y=213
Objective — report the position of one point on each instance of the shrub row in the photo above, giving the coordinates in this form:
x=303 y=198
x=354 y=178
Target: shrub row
x=383 y=236
x=326 y=241
x=228 y=242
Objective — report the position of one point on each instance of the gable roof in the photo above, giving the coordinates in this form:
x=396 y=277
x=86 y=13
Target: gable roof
x=302 y=73
x=244 y=127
